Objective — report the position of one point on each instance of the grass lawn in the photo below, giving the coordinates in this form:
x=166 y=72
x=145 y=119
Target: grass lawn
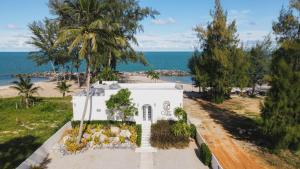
x=23 y=130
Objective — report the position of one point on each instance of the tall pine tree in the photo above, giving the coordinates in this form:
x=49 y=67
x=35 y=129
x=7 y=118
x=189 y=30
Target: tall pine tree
x=259 y=60
x=212 y=68
x=281 y=110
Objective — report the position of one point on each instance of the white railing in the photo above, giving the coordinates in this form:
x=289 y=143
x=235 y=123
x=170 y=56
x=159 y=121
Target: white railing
x=215 y=164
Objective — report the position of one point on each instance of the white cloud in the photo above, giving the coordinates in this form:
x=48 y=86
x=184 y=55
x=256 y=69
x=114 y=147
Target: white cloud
x=15 y=41
x=241 y=17
x=185 y=41
x=163 y=21
x=249 y=38
x=12 y=26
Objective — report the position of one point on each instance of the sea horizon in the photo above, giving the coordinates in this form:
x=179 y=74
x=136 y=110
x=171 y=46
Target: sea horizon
x=12 y=63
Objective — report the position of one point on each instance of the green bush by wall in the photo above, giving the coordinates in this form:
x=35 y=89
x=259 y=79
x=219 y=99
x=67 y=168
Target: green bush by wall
x=139 y=135
x=193 y=131
x=205 y=154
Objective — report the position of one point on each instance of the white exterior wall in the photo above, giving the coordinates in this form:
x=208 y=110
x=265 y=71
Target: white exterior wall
x=140 y=97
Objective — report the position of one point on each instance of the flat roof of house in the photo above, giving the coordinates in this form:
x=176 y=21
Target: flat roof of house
x=98 y=89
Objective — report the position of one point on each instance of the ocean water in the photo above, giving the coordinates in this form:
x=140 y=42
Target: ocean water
x=17 y=62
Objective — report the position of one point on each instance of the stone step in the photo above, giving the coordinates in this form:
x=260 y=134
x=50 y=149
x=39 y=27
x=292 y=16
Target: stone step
x=146 y=145
x=146 y=130
x=146 y=127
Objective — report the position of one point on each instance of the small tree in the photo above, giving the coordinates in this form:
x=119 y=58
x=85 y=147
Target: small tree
x=181 y=129
x=107 y=74
x=180 y=114
x=122 y=105
x=26 y=90
x=153 y=75
x=63 y=88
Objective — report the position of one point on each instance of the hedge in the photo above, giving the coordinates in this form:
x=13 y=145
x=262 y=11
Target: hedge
x=205 y=155
x=139 y=135
x=193 y=131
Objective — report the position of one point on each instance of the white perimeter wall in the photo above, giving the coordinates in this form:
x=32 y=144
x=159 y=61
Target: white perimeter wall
x=140 y=97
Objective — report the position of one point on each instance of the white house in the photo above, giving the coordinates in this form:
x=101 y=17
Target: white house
x=154 y=101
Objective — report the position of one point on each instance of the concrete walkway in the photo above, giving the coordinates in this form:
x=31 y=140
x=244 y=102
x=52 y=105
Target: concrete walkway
x=123 y=159
x=147 y=161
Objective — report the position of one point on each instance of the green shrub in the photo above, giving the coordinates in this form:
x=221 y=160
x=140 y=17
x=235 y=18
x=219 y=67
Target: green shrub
x=205 y=154
x=181 y=114
x=181 y=129
x=139 y=135
x=193 y=131
x=162 y=136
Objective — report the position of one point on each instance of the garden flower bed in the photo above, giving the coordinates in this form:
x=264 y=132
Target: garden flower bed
x=100 y=135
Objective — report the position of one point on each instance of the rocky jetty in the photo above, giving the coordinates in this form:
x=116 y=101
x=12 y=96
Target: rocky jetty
x=68 y=75
x=49 y=75
x=161 y=72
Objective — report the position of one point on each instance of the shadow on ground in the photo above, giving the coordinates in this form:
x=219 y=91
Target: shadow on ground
x=239 y=126
x=15 y=151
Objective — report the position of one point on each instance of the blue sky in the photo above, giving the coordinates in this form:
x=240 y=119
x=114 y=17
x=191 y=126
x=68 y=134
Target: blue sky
x=172 y=30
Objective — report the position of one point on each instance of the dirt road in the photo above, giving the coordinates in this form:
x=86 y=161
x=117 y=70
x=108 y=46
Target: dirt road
x=226 y=148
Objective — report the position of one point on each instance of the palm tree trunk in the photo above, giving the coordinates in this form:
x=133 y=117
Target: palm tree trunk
x=78 y=79
x=64 y=72
x=26 y=103
x=253 y=89
x=86 y=71
x=71 y=73
x=86 y=100
x=109 y=59
x=53 y=69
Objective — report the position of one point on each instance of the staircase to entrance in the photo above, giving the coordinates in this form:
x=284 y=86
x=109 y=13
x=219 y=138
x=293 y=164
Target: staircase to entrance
x=145 y=143
x=146 y=132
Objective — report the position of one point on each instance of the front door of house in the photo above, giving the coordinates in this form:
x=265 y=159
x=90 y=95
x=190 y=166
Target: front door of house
x=147 y=113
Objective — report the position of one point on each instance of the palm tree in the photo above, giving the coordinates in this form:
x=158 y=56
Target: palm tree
x=97 y=28
x=63 y=87
x=153 y=75
x=26 y=89
x=44 y=36
x=85 y=29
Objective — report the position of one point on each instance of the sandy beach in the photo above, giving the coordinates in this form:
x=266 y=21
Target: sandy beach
x=48 y=88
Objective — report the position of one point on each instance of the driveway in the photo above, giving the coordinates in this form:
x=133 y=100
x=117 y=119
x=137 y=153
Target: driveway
x=128 y=159
x=177 y=159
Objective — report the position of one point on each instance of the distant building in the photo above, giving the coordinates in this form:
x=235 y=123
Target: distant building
x=154 y=101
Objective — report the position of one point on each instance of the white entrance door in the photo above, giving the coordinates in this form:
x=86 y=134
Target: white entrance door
x=147 y=113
